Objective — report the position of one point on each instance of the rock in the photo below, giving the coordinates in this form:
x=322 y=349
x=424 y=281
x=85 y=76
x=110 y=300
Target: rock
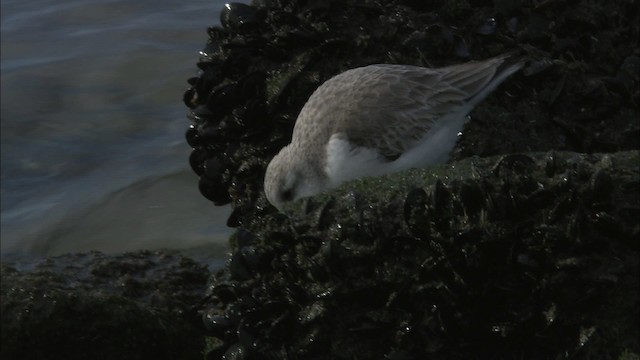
x=95 y=306
x=525 y=245
x=495 y=257
x=580 y=95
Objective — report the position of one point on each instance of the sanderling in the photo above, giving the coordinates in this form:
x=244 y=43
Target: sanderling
x=380 y=119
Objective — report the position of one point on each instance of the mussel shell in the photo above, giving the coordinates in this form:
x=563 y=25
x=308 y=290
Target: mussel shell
x=213 y=168
x=215 y=191
x=251 y=86
x=517 y=163
x=441 y=197
x=190 y=98
x=217 y=325
x=240 y=18
x=472 y=197
x=602 y=186
x=197 y=158
x=415 y=212
x=462 y=50
x=245 y=238
x=192 y=137
x=221 y=100
x=238 y=268
x=224 y=292
x=236 y=352
x=551 y=164
x=234 y=219
x=488 y=27
x=252 y=116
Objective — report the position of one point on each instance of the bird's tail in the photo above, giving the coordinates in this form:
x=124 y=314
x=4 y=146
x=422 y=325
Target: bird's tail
x=479 y=78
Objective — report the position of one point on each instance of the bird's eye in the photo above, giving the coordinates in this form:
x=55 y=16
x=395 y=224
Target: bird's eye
x=287 y=195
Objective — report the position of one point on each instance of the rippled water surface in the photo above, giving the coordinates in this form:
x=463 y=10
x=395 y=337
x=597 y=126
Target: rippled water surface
x=93 y=150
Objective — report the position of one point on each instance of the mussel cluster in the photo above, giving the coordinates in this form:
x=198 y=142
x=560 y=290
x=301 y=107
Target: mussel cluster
x=511 y=262
x=520 y=259
x=264 y=61
x=259 y=68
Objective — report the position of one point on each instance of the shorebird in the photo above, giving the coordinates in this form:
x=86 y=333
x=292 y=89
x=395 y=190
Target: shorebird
x=380 y=119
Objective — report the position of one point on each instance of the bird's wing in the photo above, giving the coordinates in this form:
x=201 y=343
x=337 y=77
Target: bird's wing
x=402 y=103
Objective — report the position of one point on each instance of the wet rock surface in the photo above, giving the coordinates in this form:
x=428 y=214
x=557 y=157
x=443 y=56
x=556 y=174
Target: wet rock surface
x=519 y=255
x=138 y=305
x=531 y=253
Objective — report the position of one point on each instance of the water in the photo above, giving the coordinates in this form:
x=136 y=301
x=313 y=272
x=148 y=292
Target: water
x=93 y=155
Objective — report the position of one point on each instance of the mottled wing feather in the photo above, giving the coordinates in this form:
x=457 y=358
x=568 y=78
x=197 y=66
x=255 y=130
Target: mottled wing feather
x=390 y=107
x=407 y=101
x=471 y=77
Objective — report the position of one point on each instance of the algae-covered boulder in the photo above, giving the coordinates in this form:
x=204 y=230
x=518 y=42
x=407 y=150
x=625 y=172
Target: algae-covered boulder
x=94 y=306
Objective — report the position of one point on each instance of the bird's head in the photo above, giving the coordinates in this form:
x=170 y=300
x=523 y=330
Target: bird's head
x=289 y=177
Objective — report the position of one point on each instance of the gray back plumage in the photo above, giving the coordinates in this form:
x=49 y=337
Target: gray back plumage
x=390 y=107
